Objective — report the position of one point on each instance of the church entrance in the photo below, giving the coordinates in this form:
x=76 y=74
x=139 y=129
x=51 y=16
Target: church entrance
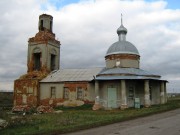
x=112 y=98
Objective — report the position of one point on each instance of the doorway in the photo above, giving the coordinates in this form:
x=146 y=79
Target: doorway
x=112 y=98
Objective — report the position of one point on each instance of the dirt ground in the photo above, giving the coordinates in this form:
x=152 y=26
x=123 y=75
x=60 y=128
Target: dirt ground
x=167 y=123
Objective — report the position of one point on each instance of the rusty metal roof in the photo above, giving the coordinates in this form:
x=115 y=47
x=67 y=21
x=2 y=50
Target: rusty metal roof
x=66 y=75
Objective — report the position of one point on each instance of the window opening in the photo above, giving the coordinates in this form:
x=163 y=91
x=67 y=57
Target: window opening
x=66 y=93
x=118 y=63
x=53 y=92
x=37 y=62
x=41 y=25
x=51 y=26
x=53 y=58
x=131 y=92
x=79 y=93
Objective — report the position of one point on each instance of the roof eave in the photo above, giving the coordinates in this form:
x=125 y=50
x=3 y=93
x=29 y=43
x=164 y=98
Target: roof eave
x=122 y=53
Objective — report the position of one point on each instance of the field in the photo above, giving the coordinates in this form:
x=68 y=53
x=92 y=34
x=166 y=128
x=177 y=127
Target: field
x=73 y=119
x=6 y=99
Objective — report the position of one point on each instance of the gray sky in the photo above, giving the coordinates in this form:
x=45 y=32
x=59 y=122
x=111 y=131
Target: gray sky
x=86 y=30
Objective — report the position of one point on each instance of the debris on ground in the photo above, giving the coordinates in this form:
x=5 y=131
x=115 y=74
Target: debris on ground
x=96 y=107
x=73 y=103
x=21 y=108
x=3 y=124
x=44 y=109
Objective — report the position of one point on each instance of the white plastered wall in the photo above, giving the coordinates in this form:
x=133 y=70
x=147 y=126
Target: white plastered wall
x=45 y=89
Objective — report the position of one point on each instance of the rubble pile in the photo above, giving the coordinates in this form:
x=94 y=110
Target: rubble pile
x=45 y=109
x=34 y=74
x=3 y=124
x=96 y=107
x=21 y=108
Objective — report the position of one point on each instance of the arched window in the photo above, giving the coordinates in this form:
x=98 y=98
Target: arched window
x=41 y=25
x=53 y=59
x=51 y=26
x=37 y=58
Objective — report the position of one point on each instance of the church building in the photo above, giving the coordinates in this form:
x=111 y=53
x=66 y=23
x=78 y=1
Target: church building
x=115 y=86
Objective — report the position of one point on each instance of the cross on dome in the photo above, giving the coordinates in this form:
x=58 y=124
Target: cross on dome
x=122 y=31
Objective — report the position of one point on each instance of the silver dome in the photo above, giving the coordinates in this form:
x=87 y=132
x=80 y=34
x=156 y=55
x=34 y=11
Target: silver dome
x=122 y=47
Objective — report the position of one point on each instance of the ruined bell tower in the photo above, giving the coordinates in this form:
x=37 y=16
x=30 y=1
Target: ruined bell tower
x=42 y=58
x=44 y=49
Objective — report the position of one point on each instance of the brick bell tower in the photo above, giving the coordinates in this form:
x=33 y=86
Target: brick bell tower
x=44 y=49
x=43 y=57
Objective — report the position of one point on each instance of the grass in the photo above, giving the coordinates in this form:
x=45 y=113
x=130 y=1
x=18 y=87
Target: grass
x=73 y=119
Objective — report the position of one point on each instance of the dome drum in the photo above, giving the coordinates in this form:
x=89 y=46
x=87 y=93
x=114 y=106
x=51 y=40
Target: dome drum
x=122 y=63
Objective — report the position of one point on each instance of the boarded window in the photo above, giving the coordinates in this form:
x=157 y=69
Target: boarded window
x=18 y=91
x=37 y=62
x=24 y=99
x=30 y=90
x=66 y=93
x=79 y=93
x=53 y=92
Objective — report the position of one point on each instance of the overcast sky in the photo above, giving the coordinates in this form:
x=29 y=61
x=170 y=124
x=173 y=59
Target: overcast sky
x=87 y=28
